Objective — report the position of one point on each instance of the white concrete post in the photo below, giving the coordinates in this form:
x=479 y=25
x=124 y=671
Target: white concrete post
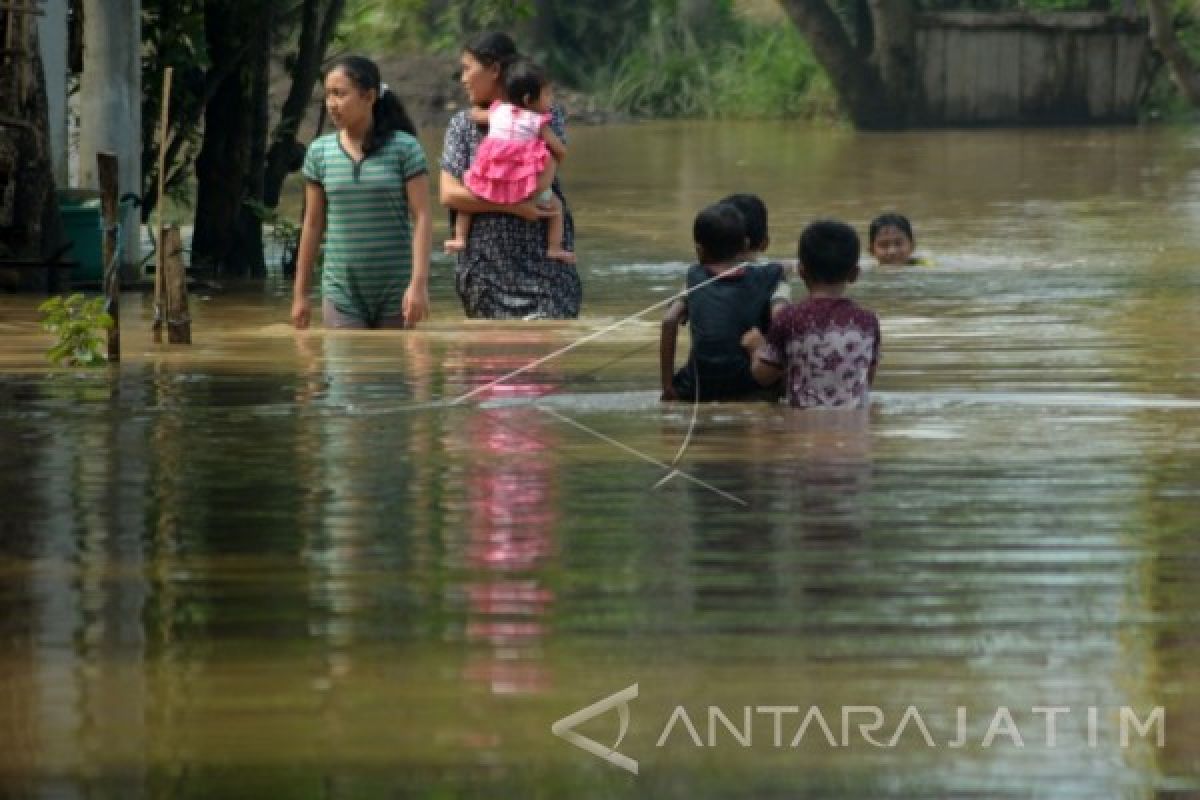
x=52 y=38
x=111 y=108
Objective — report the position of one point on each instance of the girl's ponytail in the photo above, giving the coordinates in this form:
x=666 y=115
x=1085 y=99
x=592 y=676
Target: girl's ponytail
x=388 y=116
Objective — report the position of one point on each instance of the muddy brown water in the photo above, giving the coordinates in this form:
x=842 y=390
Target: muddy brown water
x=290 y=566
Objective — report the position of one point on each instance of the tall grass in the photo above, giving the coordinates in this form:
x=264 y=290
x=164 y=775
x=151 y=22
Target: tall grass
x=748 y=71
x=772 y=74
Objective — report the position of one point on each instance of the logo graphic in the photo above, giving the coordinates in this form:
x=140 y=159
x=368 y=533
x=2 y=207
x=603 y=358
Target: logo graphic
x=565 y=728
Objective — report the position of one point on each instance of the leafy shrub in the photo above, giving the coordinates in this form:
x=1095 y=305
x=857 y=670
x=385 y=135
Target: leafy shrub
x=77 y=323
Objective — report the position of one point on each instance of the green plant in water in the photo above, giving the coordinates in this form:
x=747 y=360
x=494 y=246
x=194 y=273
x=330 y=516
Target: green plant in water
x=285 y=233
x=77 y=323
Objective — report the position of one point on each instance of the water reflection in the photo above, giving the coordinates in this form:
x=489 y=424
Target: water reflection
x=510 y=492
x=511 y=514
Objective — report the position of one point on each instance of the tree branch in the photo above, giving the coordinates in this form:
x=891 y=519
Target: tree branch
x=316 y=31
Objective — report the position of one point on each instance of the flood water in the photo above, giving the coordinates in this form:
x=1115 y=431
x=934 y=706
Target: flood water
x=285 y=566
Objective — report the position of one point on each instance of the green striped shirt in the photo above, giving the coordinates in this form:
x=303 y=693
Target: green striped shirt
x=368 y=233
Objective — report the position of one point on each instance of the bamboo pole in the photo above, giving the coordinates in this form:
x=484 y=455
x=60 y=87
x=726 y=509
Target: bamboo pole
x=106 y=170
x=179 y=323
x=160 y=262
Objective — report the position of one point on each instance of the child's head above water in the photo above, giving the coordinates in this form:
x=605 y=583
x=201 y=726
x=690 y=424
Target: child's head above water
x=829 y=253
x=890 y=239
x=754 y=212
x=720 y=234
x=526 y=85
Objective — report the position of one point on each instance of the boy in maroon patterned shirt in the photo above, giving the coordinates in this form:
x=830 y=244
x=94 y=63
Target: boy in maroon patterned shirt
x=826 y=347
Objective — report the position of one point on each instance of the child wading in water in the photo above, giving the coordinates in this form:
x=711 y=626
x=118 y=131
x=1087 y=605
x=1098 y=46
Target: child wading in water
x=754 y=217
x=758 y=239
x=517 y=160
x=826 y=347
x=890 y=240
x=720 y=312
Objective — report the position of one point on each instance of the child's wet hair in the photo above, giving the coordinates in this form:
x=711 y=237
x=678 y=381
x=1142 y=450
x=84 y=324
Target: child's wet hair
x=890 y=220
x=829 y=251
x=523 y=82
x=754 y=211
x=720 y=231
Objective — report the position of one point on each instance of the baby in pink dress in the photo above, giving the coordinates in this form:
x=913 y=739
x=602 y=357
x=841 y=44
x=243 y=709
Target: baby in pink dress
x=517 y=160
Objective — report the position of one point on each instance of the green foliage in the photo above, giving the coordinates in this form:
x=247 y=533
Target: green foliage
x=374 y=26
x=380 y=26
x=285 y=233
x=772 y=74
x=667 y=58
x=576 y=40
x=77 y=323
x=673 y=58
x=460 y=18
x=737 y=69
x=663 y=73
x=1022 y=5
x=173 y=36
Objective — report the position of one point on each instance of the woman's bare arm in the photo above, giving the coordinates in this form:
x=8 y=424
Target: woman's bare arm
x=453 y=194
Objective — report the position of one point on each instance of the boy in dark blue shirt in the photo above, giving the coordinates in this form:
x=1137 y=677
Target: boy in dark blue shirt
x=726 y=297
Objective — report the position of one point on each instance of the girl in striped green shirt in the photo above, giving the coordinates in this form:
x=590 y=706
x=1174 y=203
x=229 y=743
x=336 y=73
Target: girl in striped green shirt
x=367 y=199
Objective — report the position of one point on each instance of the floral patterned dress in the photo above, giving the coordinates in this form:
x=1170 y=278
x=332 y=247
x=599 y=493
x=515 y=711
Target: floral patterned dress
x=503 y=273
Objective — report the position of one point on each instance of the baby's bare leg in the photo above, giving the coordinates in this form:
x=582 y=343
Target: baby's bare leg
x=555 y=223
x=462 y=228
x=546 y=177
x=554 y=233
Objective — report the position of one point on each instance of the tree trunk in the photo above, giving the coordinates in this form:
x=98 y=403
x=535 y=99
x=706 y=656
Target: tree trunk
x=864 y=30
x=30 y=225
x=1184 y=71
x=895 y=55
x=858 y=83
x=319 y=20
x=192 y=91
x=223 y=164
x=248 y=252
x=877 y=78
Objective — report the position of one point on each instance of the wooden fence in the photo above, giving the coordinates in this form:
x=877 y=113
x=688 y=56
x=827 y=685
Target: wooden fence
x=1032 y=69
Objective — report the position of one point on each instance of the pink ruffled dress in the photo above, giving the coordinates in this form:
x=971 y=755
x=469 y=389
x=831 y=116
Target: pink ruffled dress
x=510 y=157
